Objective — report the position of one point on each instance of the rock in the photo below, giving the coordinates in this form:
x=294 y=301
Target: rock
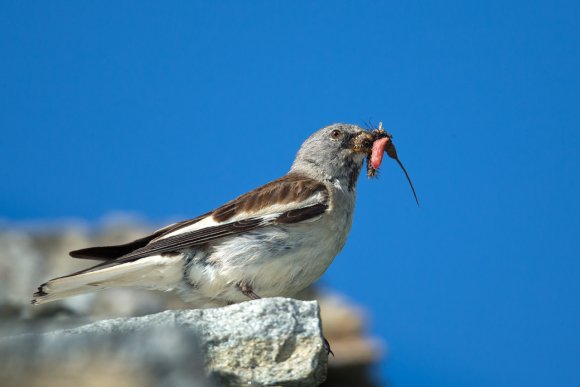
x=273 y=341
x=147 y=357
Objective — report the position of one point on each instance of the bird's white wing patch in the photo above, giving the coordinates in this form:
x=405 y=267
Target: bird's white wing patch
x=208 y=221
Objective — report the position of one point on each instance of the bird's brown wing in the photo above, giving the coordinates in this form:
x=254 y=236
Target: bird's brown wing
x=296 y=198
x=200 y=237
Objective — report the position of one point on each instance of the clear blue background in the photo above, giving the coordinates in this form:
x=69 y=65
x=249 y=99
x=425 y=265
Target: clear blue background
x=169 y=109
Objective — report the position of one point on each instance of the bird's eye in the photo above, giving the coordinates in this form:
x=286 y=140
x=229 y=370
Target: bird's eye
x=335 y=134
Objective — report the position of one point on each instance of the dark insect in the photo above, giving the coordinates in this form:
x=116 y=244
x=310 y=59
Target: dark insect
x=389 y=149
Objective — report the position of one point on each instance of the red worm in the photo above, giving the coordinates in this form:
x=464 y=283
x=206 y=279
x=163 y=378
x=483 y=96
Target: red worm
x=378 y=151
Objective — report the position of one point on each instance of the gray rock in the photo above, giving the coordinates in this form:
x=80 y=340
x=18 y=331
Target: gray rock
x=147 y=357
x=273 y=341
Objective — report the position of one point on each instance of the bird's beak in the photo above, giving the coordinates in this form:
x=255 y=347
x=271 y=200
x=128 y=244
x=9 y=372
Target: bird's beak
x=362 y=142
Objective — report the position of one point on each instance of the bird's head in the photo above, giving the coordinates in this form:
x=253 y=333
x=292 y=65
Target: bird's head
x=334 y=152
x=337 y=152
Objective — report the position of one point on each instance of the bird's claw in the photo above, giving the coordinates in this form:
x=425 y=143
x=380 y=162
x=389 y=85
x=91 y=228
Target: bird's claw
x=327 y=347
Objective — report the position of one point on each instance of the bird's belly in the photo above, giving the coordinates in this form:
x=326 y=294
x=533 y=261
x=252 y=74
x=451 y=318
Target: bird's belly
x=277 y=261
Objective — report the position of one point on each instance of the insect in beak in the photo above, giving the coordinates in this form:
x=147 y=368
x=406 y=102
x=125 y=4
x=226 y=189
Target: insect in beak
x=382 y=142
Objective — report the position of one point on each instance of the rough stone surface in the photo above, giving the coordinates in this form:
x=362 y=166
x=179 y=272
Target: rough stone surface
x=272 y=341
x=141 y=358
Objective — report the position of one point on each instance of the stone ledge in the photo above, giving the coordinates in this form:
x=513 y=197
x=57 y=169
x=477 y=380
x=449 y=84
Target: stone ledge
x=272 y=341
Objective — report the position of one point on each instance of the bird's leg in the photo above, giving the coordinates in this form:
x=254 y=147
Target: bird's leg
x=247 y=291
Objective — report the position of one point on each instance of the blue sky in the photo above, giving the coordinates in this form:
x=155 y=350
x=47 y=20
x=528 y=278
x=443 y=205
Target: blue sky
x=167 y=110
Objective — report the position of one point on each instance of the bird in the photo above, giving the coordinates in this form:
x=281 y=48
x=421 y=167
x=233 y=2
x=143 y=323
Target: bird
x=272 y=241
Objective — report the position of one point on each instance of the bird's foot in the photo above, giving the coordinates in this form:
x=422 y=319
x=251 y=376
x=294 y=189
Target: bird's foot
x=247 y=291
x=327 y=347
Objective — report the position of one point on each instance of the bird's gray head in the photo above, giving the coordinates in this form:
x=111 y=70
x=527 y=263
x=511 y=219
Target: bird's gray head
x=334 y=152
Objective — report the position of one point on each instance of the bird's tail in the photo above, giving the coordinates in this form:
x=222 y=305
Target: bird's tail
x=156 y=272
